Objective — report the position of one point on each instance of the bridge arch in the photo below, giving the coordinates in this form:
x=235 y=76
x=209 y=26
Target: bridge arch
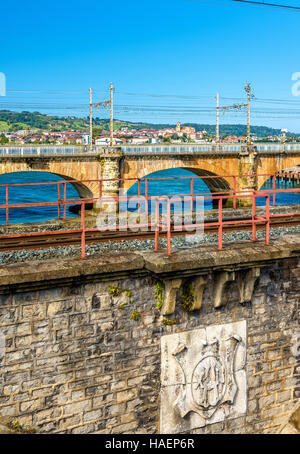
x=205 y=182
x=83 y=190
x=70 y=169
x=31 y=187
x=214 y=182
x=275 y=164
x=214 y=166
x=263 y=180
x=282 y=198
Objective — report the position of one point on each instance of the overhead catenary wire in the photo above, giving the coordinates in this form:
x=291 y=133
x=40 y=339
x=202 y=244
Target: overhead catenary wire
x=254 y=4
x=155 y=95
x=290 y=108
x=131 y=106
x=276 y=5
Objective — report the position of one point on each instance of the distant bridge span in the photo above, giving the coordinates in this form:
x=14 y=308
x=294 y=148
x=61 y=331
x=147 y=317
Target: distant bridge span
x=218 y=161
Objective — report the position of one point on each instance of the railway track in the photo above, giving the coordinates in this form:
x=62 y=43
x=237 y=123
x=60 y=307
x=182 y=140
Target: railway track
x=42 y=240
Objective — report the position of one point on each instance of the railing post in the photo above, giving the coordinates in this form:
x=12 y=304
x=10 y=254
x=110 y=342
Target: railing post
x=234 y=192
x=168 y=227
x=146 y=197
x=65 y=198
x=274 y=189
x=100 y=194
x=192 y=194
x=220 y=227
x=83 y=256
x=156 y=242
x=58 y=200
x=253 y=216
x=6 y=202
x=139 y=194
x=267 y=218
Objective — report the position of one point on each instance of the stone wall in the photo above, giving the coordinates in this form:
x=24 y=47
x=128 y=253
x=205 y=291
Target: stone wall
x=81 y=340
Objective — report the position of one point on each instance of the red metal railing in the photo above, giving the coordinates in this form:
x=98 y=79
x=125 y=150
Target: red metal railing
x=262 y=219
x=168 y=228
x=62 y=203
x=159 y=225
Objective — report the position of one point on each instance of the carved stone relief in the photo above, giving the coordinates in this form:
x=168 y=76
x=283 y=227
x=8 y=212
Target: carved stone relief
x=203 y=377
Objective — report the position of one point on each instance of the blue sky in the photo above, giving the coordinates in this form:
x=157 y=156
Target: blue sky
x=178 y=47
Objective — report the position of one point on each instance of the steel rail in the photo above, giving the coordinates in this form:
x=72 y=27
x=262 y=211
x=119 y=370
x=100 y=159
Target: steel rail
x=43 y=240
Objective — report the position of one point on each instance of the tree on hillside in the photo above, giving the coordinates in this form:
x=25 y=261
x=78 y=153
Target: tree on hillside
x=3 y=139
x=184 y=137
x=97 y=131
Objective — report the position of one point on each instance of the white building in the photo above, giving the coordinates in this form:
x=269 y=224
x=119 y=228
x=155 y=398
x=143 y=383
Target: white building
x=106 y=141
x=139 y=140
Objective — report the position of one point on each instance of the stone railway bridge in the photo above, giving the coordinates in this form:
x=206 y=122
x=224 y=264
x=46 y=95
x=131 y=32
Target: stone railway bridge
x=138 y=162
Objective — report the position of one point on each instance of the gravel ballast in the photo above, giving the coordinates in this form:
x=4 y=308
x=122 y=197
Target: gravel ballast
x=179 y=242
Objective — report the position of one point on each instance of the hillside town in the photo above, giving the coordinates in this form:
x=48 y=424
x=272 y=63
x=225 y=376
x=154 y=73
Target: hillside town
x=124 y=135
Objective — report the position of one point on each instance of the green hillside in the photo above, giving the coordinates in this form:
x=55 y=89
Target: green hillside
x=13 y=121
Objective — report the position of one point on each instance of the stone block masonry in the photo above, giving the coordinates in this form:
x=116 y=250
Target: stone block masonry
x=81 y=349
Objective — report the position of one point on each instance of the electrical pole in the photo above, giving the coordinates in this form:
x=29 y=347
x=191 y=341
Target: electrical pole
x=284 y=131
x=248 y=91
x=111 y=116
x=237 y=107
x=91 y=122
x=107 y=105
x=217 y=120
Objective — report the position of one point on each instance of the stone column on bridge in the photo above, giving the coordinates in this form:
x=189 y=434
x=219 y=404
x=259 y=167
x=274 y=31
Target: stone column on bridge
x=110 y=170
x=247 y=167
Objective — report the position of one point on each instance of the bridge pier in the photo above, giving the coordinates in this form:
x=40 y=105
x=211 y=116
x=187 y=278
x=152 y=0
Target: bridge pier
x=247 y=166
x=110 y=171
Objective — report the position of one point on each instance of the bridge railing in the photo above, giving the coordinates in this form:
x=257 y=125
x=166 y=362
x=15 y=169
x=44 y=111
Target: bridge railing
x=278 y=147
x=211 y=148
x=40 y=150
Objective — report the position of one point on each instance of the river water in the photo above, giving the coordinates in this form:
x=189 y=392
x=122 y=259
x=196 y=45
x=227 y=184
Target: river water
x=48 y=193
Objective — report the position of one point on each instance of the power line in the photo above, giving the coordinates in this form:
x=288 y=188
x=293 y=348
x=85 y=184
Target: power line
x=252 y=2
x=61 y=92
x=258 y=4
x=154 y=109
x=179 y=97
x=164 y=96
x=47 y=92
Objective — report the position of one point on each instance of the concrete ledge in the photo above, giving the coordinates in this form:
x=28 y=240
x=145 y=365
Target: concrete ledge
x=198 y=260
x=73 y=269
x=233 y=256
